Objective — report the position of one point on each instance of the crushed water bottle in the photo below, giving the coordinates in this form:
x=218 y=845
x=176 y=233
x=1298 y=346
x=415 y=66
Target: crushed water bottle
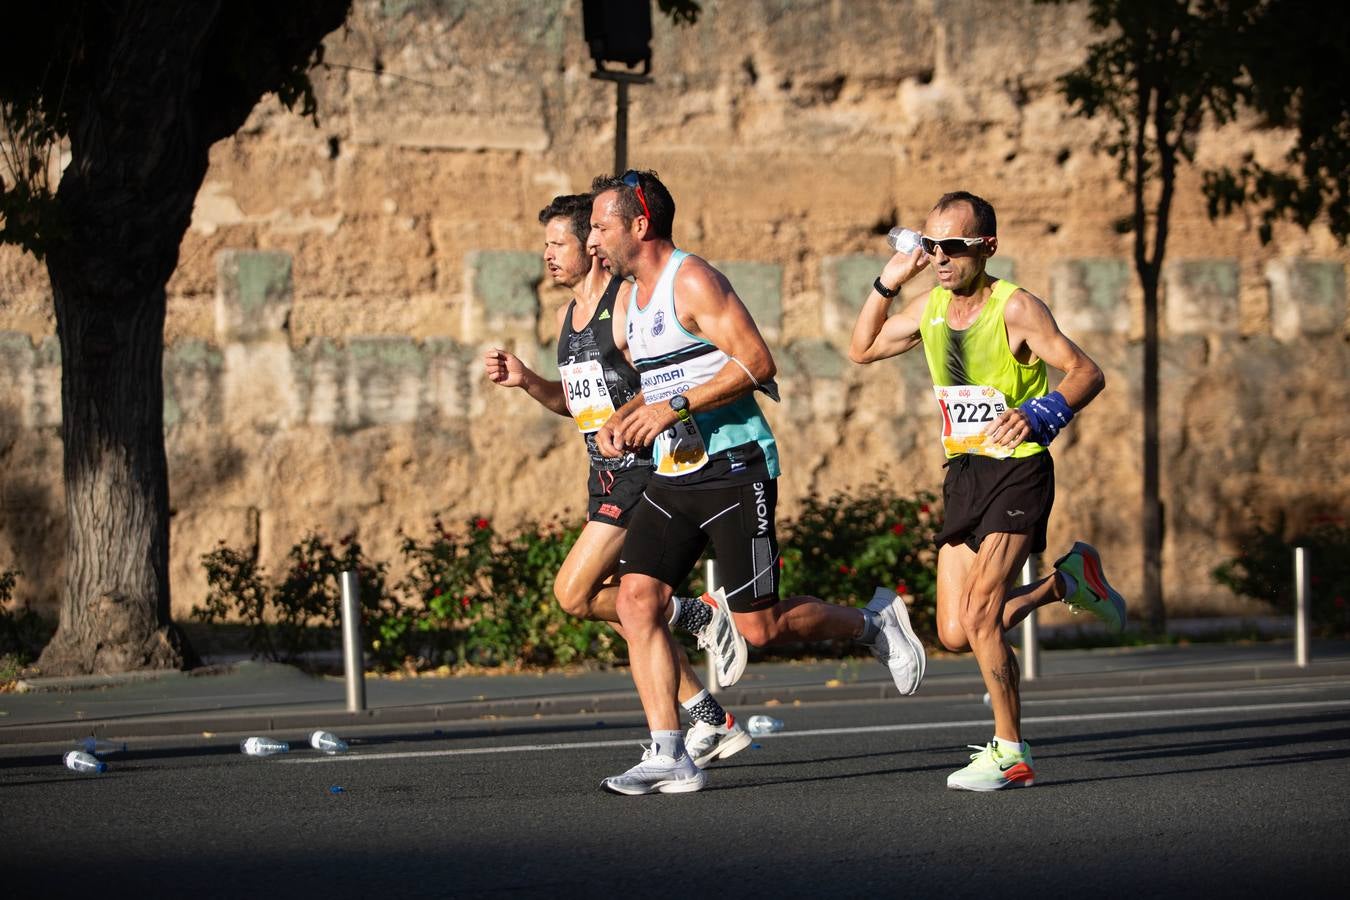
x=263 y=746
x=101 y=748
x=762 y=725
x=903 y=240
x=327 y=742
x=84 y=763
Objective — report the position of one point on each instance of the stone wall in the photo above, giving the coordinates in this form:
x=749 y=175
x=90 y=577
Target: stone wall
x=338 y=284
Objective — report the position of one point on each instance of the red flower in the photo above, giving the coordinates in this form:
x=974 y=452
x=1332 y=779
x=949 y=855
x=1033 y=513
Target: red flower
x=843 y=569
x=780 y=562
x=902 y=588
x=923 y=508
x=464 y=602
x=482 y=524
x=898 y=528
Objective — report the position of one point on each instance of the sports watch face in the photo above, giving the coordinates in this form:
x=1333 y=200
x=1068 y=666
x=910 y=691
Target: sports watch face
x=681 y=407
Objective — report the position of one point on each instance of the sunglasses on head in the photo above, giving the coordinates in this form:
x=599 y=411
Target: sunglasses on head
x=959 y=246
x=630 y=178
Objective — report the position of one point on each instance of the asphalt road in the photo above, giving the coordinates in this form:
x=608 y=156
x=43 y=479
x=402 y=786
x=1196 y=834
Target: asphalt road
x=1229 y=789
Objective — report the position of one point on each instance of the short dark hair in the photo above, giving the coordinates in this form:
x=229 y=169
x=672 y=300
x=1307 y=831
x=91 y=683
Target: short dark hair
x=576 y=208
x=659 y=202
x=986 y=223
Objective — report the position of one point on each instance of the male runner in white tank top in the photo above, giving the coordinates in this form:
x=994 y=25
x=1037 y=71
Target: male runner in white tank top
x=702 y=358
x=592 y=355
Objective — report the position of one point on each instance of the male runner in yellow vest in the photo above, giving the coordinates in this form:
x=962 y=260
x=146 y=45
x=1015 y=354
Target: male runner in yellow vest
x=987 y=343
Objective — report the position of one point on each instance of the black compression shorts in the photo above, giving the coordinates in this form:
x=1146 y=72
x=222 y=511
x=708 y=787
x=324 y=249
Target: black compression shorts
x=981 y=496
x=672 y=525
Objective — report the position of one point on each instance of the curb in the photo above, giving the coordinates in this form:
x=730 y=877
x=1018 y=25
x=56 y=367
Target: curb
x=626 y=701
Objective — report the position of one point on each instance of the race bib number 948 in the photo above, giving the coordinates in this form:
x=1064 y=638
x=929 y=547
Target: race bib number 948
x=588 y=398
x=967 y=409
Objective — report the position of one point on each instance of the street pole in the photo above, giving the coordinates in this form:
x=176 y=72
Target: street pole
x=353 y=665
x=1031 y=647
x=621 y=82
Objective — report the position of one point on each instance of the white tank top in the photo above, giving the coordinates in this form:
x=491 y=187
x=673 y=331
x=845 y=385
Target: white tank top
x=731 y=443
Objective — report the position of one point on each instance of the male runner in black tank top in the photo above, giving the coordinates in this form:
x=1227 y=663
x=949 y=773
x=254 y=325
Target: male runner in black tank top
x=597 y=378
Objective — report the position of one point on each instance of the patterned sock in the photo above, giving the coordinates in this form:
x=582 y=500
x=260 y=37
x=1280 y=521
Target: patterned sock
x=702 y=707
x=691 y=615
x=871 y=627
x=668 y=743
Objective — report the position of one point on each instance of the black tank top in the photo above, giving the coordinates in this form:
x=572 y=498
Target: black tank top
x=595 y=342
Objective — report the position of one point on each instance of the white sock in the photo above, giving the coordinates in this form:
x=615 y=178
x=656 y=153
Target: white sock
x=1005 y=744
x=696 y=699
x=668 y=743
x=674 y=610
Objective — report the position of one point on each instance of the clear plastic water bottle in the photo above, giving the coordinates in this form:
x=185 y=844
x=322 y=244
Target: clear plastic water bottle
x=903 y=240
x=84 y=763
x=327 y=742
x=263 y=746
x=101 y=748
x=761 y=725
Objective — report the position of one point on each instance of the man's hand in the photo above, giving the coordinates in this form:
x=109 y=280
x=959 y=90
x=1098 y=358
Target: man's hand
x=641 y=427
x=901 y=267
x=1009 y=429
x=504 y=368
x=606 y=440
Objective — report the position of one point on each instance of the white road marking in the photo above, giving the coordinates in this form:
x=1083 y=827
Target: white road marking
x=860 y=729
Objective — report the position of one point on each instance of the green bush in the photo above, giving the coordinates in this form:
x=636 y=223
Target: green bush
x=300 y=613
x=474 y=596
x=488 y=599
x=1264 y=570
x=23 y=633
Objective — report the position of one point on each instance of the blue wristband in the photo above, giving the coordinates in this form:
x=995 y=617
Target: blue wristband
x=1046 y=416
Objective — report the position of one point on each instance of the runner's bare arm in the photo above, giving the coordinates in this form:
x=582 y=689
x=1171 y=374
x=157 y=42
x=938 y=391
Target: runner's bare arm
x=877 y=334
x=709 y=308
x=507 y=370
x=1031 y=325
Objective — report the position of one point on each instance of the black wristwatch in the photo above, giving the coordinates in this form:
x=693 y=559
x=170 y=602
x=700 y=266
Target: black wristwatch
x=884 y=291
x=680 y=404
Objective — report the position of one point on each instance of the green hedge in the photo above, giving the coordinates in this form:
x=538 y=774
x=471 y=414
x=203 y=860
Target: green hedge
x=476 y=596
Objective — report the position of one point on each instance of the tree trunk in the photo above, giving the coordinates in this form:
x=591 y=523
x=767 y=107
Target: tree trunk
x=138 y=157
x=115 y=599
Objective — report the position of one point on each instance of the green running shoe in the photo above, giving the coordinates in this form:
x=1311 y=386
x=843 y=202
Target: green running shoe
x=993 y=768
x=1093 y=594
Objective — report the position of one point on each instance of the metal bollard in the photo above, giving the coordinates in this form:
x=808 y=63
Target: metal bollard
x=352 y=663
x=1301 y=591
x=710 y=682
x=1031 y=647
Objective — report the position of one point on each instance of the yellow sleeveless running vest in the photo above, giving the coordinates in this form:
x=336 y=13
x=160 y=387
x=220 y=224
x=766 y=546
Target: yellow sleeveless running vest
x=979 y=356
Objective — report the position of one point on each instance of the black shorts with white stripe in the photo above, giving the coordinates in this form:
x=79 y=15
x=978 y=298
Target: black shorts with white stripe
x=672 y=525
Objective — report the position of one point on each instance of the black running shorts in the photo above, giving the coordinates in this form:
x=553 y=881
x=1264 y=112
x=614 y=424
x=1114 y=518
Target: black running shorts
x=672 y=526
x=982 y=496
x=615 y=493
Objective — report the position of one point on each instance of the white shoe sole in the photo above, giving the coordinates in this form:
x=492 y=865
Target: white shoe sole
x=729 y=746
x=675 y=786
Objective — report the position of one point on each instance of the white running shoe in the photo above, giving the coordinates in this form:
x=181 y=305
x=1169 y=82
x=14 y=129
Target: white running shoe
x=706 y=743
x=720 y=638
x=897 y=646
x=658 y=773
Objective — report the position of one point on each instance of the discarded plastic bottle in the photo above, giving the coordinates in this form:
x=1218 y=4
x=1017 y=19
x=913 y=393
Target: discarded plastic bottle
x=327 y=742
x=263 y=746
x=101 y=748
x=761 y=725
x=84 y=763
x=903 y=240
